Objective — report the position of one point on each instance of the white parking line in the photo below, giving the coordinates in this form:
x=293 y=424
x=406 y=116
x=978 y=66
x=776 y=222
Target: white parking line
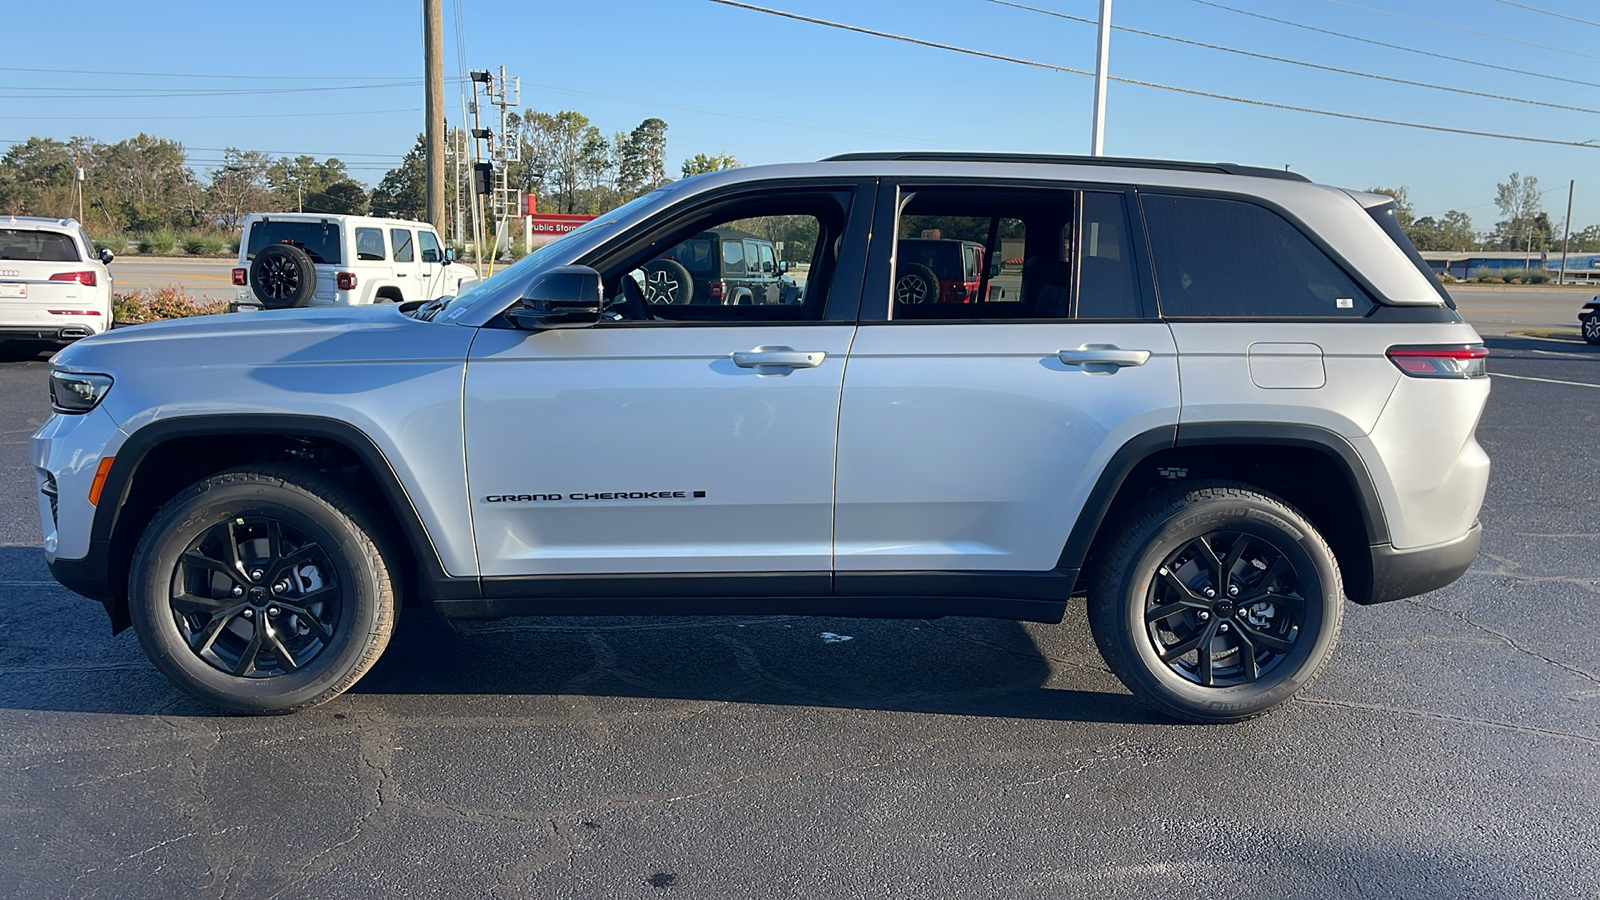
x=1545 y=380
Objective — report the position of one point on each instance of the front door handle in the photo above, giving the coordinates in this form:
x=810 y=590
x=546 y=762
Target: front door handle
x=1103 y=355
x=778 y=360
x=400 y=274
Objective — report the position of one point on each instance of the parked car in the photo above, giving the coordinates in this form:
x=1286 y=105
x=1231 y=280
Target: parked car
x=723 y=267
x=1589 y=321
x=255 y=495
x=315 y=259
x=53 y=286
x=934 y=270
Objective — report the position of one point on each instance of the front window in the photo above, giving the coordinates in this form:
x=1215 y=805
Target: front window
x=38 y=246
x=430 y=247
x=404 y=250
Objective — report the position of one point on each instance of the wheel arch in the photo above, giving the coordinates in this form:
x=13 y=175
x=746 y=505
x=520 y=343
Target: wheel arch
x=1292 y=461
x=162 y=458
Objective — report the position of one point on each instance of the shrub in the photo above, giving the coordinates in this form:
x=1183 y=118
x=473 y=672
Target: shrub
x=1445 y=277
x=200 y=243
x=164 y=303
x=159 y=242
x=1486 y=278
x=1538 y=277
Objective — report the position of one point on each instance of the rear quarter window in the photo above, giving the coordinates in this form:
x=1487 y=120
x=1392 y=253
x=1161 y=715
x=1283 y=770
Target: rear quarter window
x=1221 y=258
x=38 y=246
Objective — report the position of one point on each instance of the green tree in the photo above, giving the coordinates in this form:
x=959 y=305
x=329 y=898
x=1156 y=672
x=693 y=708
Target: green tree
x=1518 y=200
x=1451 y=232
x=700 y=163
x=403 y=191
x=239 y=187
x=642 y=158
x=303 y=183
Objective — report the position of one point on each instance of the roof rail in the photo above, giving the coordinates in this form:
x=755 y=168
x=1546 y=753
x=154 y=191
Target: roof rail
x=1066 y=160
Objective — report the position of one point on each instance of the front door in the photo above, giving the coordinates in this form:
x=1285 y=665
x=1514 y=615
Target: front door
x=668 y=438
x=971 y=434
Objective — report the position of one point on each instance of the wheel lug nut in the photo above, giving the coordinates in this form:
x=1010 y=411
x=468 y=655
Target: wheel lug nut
x=1210 y=592
x=249 y=614
x=1233 y=590
x=255 y=574
x=1223 y=627
x=237 y=591
x=1203 y=615
x=280 y=587
x=272 y=610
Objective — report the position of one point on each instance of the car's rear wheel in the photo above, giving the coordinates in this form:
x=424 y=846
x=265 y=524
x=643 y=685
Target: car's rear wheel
x=1591 y=328
x=283 y=276
x=1217 y=603
x=262 y=590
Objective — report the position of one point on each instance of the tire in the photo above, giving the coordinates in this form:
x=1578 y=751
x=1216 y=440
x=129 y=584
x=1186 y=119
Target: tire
x=1288 y=609
x=667 y=283
x=915 y=283
x=1591 y=328
x=283 y=276
x=325 y=590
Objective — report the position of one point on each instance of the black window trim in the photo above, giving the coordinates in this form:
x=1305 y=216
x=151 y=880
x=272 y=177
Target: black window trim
x=1378 y=298
x=875 y=305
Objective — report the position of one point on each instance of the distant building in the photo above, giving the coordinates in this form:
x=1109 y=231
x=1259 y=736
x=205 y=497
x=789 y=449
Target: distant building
x=1471 y=263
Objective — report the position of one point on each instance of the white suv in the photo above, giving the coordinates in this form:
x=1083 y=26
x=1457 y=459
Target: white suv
x=53 y=287
x=313 y=259
x=1215 y=401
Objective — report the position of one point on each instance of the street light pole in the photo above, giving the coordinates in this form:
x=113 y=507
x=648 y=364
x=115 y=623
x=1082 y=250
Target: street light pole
x=1097 y=144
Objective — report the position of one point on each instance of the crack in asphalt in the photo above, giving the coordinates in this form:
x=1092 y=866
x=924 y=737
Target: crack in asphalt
x=1509 y=641
x=1532 y=730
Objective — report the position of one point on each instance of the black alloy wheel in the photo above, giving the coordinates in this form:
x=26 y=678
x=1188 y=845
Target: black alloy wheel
x=256 y=597
x=1225 y=609
x=280 y=279
x=1215 y=602
x=1591 y=328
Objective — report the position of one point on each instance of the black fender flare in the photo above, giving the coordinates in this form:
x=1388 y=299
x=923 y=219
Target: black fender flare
x=1142 y=446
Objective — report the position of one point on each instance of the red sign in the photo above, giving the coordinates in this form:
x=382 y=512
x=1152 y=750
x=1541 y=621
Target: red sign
x=556 y=223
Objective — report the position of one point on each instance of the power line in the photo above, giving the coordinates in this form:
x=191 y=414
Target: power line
x=1497 y=37
x=1303 y=63
x=1549 y=13
x=1164 y=87
x=1401 y=47
x=193 y=75
x=360 y=112
x=209 y=93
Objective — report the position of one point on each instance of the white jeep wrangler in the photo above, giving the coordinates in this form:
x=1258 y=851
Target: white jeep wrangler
x=317 y=259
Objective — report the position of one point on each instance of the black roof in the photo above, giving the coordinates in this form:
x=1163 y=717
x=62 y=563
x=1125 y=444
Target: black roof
x=1065 y=160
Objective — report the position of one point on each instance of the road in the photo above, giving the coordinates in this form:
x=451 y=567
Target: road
x=202 y=279
x=1451 y=749
x=1498 y=310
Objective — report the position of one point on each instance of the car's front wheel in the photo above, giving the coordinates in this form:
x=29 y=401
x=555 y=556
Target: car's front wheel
x=1216 y=603
x=1591 y=328
x=262 y=590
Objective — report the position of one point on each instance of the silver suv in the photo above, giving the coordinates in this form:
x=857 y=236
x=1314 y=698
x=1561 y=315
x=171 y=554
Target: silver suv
x=1217 y=401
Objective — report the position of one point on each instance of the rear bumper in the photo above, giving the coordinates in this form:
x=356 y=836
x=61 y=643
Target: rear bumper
x=50 y=331
x=1398 y=574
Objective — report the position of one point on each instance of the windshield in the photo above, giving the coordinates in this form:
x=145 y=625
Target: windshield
x=320 y=240
x=509 y=281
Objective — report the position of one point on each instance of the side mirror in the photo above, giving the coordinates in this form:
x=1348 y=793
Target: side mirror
x=430 y=256
x=994 y=267
x=106 y=256
x=563 y=297
x=784 y=265
x=449 y=254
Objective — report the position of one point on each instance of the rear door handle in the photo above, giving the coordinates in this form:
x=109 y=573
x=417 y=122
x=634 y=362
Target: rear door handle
x=769 y=360
x=1103 y=354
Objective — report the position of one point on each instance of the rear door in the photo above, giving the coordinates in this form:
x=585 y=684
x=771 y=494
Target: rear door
x=432 y=264
x=971 y=434
x=407 y=273
x=372 y=255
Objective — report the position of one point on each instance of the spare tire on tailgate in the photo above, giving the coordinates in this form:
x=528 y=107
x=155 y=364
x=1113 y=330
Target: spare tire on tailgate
x=282 y=275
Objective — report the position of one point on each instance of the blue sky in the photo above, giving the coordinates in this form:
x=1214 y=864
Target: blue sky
x=771 y=90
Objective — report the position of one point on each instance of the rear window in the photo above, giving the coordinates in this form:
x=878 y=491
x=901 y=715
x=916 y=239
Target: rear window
x=695 y=255
x=320 y=240
x=943 y=257
x=39 y=246
x=1231 y=259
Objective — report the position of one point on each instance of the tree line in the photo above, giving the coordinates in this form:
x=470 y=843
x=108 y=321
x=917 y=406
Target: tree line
x=1524 y=225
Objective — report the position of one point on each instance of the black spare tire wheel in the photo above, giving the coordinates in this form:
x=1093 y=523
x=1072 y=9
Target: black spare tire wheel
x=667 y=282
x=915 y=283
x=282 y=275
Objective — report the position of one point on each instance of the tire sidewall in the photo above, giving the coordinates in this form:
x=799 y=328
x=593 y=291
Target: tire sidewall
x=1290 y=536
x=302 y=261
x=170 y=535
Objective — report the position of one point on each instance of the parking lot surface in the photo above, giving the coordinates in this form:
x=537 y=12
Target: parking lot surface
x=1451 y=748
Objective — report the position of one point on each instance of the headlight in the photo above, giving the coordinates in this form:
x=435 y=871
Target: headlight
x=73 y=394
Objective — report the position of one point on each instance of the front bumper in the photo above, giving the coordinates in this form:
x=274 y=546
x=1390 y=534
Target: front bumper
x=1398 y=574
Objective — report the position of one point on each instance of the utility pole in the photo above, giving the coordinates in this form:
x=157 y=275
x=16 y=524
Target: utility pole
x=1566 y=232
x=502 y=152
x=1097 y=143
x=433 y=107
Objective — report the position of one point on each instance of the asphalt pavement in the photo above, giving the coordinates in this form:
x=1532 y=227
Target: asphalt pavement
x=1451 y=749
x=202 y=279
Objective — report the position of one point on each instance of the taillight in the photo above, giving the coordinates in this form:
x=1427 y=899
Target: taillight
x=345 y=281
x=84 y=278
x=241 y=277
x=716 y=289
x=1441 y=361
